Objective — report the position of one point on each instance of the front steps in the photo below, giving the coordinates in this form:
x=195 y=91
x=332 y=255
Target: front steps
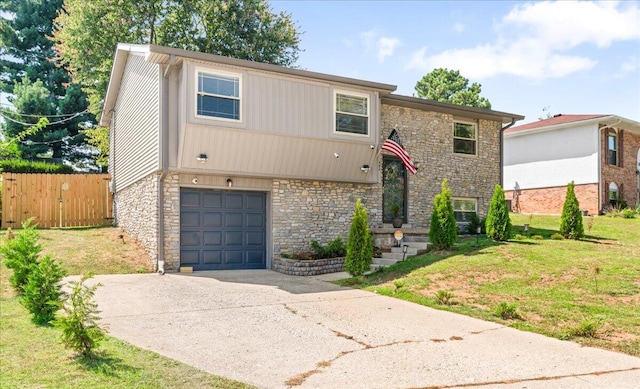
x=397 y=255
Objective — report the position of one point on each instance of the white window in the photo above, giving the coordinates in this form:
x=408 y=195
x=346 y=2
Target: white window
x=613 y=149
x=352 y=113
x=464 y=138
x=613 y=192
x=218 y=95
x=463 y=209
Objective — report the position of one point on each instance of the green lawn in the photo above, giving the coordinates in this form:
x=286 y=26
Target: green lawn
x=561 y=288
x=33 y=357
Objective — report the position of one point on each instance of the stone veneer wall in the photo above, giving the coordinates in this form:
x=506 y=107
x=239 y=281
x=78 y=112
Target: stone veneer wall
x=625 y=173
x=172 y=221
x=314 y=210
x=428 y=137
x=137 y=213
x=550 y=201
x=296 y=267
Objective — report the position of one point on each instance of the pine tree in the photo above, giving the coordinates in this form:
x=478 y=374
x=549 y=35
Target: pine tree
x=498 y=222
x=571 y=222
x=443 y=231
x=359 y=244
x=44 y=291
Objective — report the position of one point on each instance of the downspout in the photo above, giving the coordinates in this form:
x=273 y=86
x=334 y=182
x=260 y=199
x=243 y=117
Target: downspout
x=164 y=163
x=513 y=121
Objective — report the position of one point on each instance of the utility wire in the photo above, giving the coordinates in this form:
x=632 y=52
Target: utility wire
x=50 y=124
x=37 y=116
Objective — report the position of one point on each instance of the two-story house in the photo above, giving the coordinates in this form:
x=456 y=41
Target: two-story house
x=599 y=153
x=218 y=163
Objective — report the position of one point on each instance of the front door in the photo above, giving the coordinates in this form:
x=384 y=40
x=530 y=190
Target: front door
x=394 y=184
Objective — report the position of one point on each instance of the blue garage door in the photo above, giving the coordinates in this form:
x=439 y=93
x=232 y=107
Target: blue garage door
x=222 y=230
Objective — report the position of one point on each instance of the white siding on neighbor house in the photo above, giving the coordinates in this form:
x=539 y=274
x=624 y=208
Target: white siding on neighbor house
x=258 y=154
x=135 y=129
x=282 y=105
x=551 y=158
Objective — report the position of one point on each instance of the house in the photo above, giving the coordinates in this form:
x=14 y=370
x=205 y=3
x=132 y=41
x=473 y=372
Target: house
x=599 y=153
x=220 y=163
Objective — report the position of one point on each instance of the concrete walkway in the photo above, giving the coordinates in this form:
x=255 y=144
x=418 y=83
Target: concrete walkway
x=276 y=331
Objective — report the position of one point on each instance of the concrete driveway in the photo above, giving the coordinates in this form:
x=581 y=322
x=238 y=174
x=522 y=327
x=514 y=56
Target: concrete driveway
x=276 y=331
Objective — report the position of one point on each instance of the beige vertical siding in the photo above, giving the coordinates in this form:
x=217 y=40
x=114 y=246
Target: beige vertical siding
x=136 y=127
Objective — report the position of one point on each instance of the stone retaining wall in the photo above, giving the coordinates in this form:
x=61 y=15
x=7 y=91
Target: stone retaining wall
x=296 y=267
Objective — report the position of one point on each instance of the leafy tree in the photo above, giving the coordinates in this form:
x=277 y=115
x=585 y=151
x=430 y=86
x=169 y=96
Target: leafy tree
x=443 y=230
x=449 y=86
x=359 y=243
x=43 y=290
x=498 y=222
x=21 y=255
x=245 y=29
x=41 y=87
x=571 y=221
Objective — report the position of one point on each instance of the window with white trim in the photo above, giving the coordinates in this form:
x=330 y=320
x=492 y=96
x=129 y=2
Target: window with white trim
x=218 y=95
x=613 y=193
x=612 y=141
x=463 y=209
x=352 y=113
x=464 y=138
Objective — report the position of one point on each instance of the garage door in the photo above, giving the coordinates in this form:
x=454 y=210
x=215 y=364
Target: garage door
x=222 y=230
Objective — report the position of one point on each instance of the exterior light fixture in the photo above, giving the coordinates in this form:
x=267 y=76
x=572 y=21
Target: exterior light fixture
x=478 y=231
x=405 y=247
x=336 y=155
x=229 y=182
x=202 y=158
x=365 y=168
x=526 y=230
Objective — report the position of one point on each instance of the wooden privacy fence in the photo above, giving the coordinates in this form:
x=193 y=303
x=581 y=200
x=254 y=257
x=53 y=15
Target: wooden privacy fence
x=56 y=200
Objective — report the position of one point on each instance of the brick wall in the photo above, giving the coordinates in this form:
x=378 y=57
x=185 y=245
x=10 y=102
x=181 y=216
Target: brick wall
x=624 y=175
x=550 y=201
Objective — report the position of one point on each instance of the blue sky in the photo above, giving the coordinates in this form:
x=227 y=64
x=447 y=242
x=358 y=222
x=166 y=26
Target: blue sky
x=573 y=57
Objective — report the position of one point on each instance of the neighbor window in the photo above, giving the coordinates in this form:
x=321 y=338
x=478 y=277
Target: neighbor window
x=218 y=96
x=613 y=149
x=464 y=138
x=352 y=114
x=463 y=209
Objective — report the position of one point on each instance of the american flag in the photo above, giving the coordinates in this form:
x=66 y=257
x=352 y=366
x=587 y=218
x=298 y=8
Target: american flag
x=393 y=145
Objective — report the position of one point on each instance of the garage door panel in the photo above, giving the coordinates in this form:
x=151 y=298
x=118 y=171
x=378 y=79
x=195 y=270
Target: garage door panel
x=189 y=257
x=212 y=238
x=222 y=229
x=255 y=220
x=212 y=257
x=212 y=200
x=212 y=219
x=190 y=238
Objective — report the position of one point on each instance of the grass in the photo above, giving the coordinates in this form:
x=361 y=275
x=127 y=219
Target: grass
x=33 y=356
x=586 y=290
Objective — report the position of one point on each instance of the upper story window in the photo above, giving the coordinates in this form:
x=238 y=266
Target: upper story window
x=463 y=209
x=352 y=113
x=612 y=141
x=218 y=95
x=464 y=138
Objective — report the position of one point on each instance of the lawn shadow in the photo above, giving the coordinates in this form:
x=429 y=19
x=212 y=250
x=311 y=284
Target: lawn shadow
x=546 y=234
x=103 y=363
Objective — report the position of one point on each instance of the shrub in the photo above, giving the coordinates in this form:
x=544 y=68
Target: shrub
x=21 y=255
x=334 y=249
x=474 y=223
x=22 y=166
x=360 y=243
x=42 y=292
x=628 y=213
x=537 y=237
x=507 y=311
x=498 y=221
x=443 y=231
x=556 y=236
x=444 y=297
x=519 y=237
x=571 y=220
x=80 y=330
x=586 y=329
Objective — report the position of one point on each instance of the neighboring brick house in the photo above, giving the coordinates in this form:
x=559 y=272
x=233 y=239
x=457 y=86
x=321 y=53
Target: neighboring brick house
x=220 y=163
x=599 y=153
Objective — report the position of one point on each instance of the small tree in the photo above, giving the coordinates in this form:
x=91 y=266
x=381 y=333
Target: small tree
x=21 y=255
x=571 y=222
x=43 y=290
x=359 y=244
x=80 y=330
x=443 y=231
x=498 y=222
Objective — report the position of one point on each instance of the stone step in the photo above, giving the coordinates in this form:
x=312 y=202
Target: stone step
x=414 y=245
x=384 y=262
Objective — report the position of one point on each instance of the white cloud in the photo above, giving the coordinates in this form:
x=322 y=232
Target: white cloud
x=629 y=66
x=535 y=41
x=458 y=27
x=386 y=47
